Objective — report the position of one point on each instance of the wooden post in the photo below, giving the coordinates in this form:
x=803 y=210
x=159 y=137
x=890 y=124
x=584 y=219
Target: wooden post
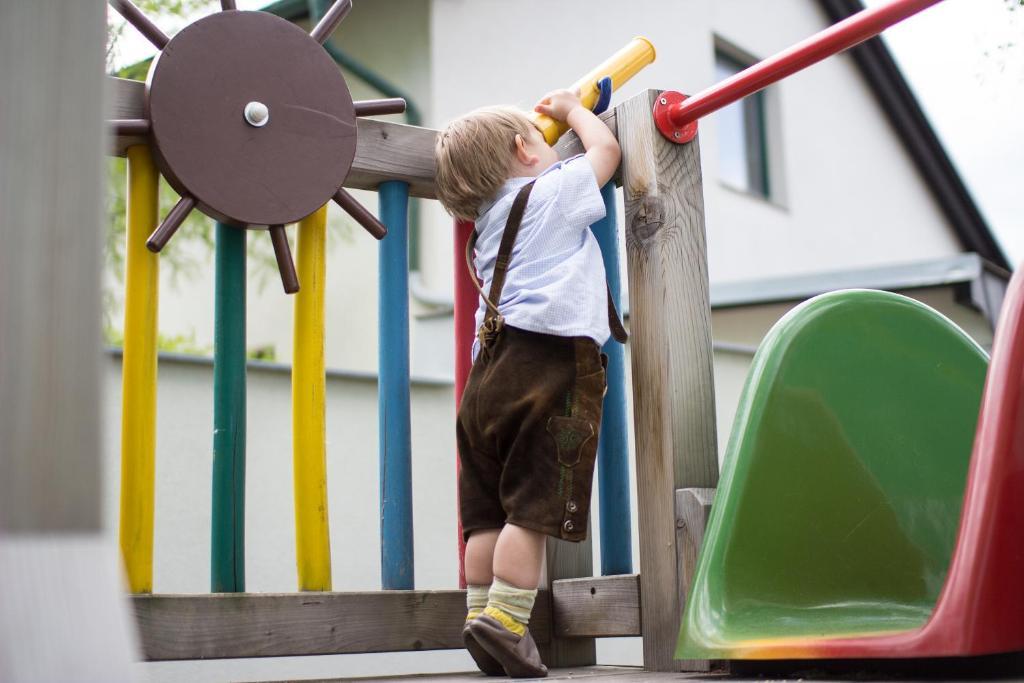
x=139 y=371
x=397 y=562
x=227 y=528
x=464 y=320
x=567 y=560
x=613 y=444
x=673 y=384
x=62 y=616
x=309 y=386
x=693 y=507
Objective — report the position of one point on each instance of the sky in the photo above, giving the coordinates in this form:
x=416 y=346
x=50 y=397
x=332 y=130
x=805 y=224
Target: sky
x=964 y=59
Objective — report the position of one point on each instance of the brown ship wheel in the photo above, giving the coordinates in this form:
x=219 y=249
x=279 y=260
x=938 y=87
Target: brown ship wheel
x=251 y=122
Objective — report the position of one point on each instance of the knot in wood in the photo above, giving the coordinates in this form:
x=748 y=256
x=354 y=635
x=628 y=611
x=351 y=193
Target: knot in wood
x=648 y=219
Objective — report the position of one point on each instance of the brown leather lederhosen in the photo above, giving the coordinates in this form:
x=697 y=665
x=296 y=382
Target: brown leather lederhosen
x=493 y=320
x=529 y=418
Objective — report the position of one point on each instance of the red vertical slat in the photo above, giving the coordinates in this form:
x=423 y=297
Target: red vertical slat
x=465 y=309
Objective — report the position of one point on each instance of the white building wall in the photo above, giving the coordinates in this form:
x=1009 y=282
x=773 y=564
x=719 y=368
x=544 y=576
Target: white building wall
x=852 y=196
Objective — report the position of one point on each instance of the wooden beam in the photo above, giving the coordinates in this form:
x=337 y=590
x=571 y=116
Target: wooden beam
x=693 y=507
x=567 y=560
x=596 y=607
x=50 y=202
x=569 y=145
x=384 y=151
x=673 y=383
x=61 y=614
x=229 y=625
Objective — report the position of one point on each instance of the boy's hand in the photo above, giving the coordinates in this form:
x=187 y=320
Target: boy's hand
x=557 y=104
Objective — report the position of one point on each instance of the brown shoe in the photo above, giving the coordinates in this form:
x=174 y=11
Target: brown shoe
x=517 y=654
x=484 y=661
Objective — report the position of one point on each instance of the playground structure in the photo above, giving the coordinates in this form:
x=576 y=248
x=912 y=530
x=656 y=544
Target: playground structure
x=398 y=163
x=677 y=468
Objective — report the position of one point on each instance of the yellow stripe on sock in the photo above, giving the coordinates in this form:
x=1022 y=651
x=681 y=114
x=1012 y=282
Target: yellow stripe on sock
x=473 y=613
x=506 y=620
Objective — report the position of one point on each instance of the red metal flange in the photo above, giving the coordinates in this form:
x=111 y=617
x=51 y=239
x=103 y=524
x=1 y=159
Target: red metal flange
x=666 y=103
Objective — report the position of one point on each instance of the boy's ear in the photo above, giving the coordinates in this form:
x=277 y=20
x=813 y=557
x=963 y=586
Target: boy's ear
x=522 y=155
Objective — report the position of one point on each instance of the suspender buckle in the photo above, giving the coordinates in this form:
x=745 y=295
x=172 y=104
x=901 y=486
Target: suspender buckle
x=488 y=332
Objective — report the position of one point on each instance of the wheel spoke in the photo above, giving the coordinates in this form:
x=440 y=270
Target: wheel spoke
x=170 y=225
x=360 y=213
x=125 y=127
x=289 y=278
x=134 y=16
x=391 y=105
x=330 y=21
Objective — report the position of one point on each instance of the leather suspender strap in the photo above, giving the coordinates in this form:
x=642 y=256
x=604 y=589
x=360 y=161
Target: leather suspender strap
x=508 y=240
x=493 y=320
x=619 y=333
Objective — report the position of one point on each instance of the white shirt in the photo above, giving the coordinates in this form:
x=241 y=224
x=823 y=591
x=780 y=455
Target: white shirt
x=556 y=281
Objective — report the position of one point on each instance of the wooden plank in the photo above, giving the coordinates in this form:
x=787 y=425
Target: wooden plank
x=50 y=180
x=567 y=560
x=569 y=144
x=139 y=372
x=227 y=539
x=693 y=506
x=61 y=614
x=393 y=151
x=228 y=625
x=673 y=388
x=309 y=420
x=614 y=674
x=394 y=426
x=384 y=150
x=124 y=101
x=597 y=607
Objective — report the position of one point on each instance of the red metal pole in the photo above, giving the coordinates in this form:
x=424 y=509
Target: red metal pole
x=673 y=114
x=465 y=311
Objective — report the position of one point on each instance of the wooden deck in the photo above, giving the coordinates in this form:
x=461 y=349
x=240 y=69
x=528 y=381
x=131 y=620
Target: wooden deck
x=606 y=673
x=949 y=671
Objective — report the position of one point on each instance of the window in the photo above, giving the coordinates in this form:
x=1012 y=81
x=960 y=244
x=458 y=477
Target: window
x=742 y=143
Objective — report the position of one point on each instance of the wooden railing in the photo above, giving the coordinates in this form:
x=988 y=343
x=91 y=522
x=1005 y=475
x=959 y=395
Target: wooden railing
x=674 y=420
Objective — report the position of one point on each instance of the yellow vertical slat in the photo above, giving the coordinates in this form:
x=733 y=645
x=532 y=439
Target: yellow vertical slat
x=139 y=370
x=312 y=537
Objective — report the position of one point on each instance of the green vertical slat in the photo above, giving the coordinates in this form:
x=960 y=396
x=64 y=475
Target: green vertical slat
x=227 y=552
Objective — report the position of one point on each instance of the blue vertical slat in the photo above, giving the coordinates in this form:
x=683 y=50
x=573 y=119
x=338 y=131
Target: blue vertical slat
x=396 y=551
x=613 y=446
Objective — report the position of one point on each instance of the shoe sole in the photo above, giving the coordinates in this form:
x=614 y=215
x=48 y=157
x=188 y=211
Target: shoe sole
x=513 y=666
x=484 y=661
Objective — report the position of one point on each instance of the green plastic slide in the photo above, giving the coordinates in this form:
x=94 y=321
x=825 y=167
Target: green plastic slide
x=839 y=501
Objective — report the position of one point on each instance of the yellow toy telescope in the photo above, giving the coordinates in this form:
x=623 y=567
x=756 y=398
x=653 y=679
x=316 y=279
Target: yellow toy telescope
x=621 y=67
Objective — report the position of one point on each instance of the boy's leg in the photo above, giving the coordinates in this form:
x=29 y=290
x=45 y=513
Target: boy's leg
x=501 y=629
x=518 y=556
x=479 y=559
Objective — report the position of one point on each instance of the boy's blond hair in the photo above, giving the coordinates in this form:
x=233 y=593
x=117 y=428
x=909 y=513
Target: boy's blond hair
x=474 y=157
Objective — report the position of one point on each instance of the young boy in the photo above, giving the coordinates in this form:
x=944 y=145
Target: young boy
x=531 y=411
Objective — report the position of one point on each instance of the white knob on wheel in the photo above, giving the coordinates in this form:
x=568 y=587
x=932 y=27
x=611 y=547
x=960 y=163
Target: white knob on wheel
x=257 y=114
